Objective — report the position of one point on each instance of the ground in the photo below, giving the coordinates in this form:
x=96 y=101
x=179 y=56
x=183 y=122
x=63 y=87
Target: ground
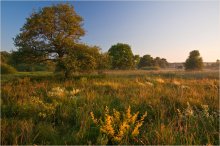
x=43 y=108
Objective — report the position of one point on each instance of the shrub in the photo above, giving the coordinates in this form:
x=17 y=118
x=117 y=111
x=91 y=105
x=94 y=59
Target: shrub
x=7 y=69
x=119 y=127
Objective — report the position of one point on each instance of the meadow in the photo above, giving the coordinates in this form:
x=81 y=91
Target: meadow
x=115 y=107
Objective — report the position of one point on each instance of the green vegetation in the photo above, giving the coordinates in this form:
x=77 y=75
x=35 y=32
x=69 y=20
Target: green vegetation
x=148 y=61
x=194 y=61
x=40 y=108
x=7 y=69
x=121 y=56
x=52 y=34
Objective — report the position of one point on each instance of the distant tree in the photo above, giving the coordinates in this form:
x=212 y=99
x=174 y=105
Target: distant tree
x=5 y=57
x=53 y=33
x=194 y=61
x=136 y=60
x=163 y=63
x=20 y=64
x=160 y=62
x=216 y=64
x=7 y=69
x=121 y=56
x=146 y=61
x=103 y=61
x=157 y=61
x=82 y=58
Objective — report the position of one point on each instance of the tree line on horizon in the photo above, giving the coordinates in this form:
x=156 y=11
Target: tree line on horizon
x=50 y=40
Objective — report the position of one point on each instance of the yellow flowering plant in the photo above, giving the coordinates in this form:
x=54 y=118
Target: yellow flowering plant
x=119 y=127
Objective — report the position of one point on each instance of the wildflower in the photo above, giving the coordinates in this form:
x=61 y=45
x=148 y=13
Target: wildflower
x=189 y=111
x=145 y=84
x=179 y=113
x=122 y=130
x=117 y=128
x=205 y=107
x=175 y=82
x=135 y=132
x=106 y=110
x=184 y=87
x=128 y=113
x=93 y=118
x=57 y=91
x=107 y=127
x=149 y=84
x=42 y=115
x=205 y=110
x=141 y=84
x=134 y=118
x=45 y=108
x=116 y=115
x=74 y=92
x=159 y=80
x=113 y=85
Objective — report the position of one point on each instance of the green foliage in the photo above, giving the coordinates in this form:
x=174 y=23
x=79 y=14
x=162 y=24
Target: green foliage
x=145 y=61
x=121 y=56
x=23 y=67
x=148 y=61
x=13 y=60
x=5 y=57
x=136 y=60
x=52 y=33
x=7 y=69
x=49 y=32
x=194 y=61
x=103 y=61
x=160 y=62
x=82 y=58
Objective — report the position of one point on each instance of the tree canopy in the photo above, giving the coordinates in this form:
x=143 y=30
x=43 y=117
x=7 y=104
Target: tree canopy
x=53 y=33
x=121 y=56
x=194 y=61
x=146 y=61
x=48 y=33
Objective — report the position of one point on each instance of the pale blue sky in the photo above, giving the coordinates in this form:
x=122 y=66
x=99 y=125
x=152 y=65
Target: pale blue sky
x=169 y=29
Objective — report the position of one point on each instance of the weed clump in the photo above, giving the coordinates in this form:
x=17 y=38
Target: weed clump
x=119 y=127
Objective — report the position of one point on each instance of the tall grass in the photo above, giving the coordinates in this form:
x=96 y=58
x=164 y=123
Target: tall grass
x=182 y=108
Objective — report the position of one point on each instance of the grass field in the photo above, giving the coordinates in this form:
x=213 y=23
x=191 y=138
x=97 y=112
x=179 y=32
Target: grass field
x=116 y=107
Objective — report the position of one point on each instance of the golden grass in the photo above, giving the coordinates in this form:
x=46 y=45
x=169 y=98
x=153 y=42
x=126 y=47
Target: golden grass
x=183 y=108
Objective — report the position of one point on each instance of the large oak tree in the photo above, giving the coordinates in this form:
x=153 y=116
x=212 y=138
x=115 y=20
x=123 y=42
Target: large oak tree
x=48 y=33
x=53 y=33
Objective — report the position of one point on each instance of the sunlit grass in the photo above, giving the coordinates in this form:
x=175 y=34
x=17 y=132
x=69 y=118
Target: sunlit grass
x=182 y=108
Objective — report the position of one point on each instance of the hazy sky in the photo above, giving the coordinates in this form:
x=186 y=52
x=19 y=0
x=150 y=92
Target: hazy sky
x=168 y=29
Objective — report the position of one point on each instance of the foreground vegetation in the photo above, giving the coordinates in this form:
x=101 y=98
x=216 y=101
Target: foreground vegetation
x=117 y=107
